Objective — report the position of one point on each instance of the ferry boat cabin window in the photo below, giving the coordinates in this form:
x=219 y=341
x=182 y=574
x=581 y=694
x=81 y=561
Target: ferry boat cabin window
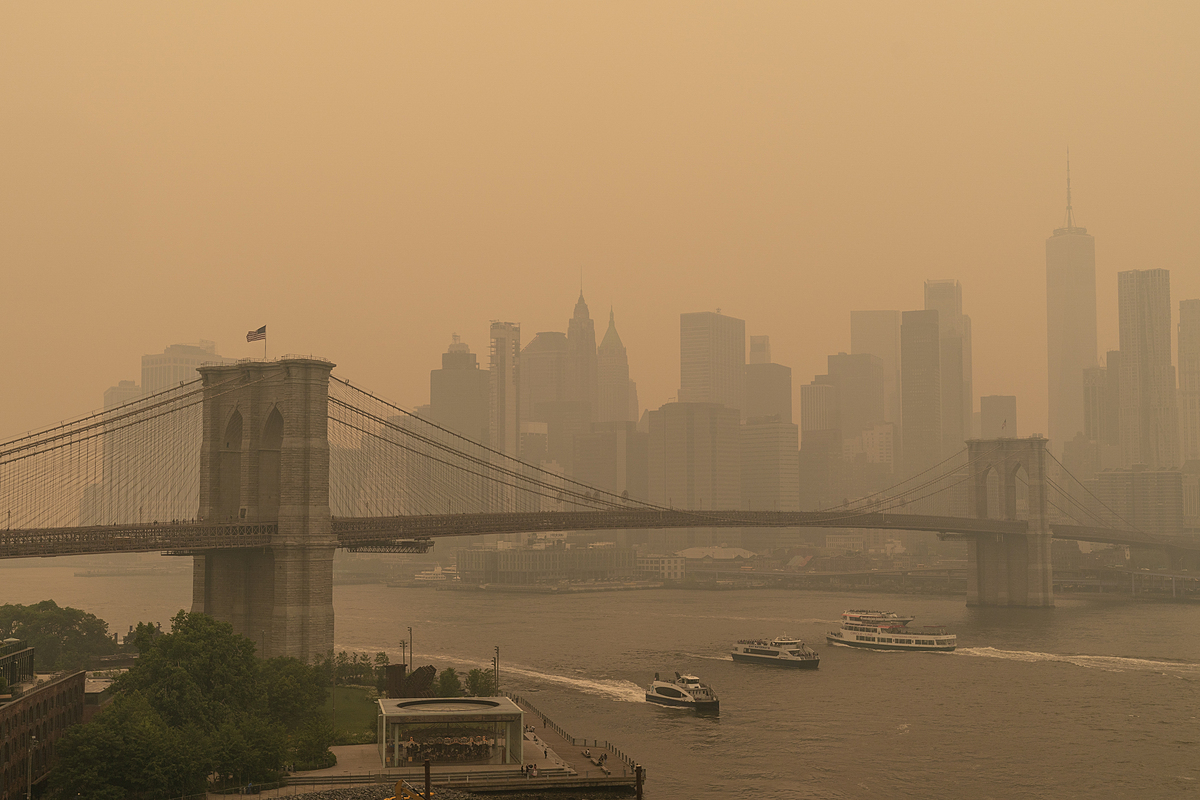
x=668 y=691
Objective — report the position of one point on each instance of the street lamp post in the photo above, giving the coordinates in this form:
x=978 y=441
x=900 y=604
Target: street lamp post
x=410 y=649
x=29 y=786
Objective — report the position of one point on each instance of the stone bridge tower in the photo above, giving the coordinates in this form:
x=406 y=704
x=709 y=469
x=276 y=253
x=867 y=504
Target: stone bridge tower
x=1009 y=569
x=264 y=458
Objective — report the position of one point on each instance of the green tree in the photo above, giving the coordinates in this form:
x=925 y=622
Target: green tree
x=62 y=638
x=448 y=684
x=128 y=752
x=293 y=690
x=200 y=673
x=481 y=683
x=381 y=665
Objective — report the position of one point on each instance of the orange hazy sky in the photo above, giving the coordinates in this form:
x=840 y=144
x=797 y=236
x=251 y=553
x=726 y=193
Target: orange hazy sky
x=367 y=179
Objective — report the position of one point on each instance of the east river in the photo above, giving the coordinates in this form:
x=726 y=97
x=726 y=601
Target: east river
x=1099 y=697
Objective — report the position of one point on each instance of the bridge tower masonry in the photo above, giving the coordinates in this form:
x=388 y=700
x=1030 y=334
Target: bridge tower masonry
x=264 y=458
x=1009 y=569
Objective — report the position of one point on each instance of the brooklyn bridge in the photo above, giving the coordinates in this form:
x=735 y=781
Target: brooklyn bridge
x=260 y=470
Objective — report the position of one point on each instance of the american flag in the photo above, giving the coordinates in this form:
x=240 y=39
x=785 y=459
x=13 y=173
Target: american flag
x=258 y=335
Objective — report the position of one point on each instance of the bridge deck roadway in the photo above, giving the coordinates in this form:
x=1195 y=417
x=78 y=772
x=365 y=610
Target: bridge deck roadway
x=413 y=533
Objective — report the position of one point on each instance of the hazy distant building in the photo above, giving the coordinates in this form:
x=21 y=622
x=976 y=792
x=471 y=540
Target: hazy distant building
x=712 y=359
x=613 y=386
x=694 y=458
x=760 y=350
x=581 y=359
x=1095 y=406
x=1150 y=499
x=858 y=380
x=921 y=389
x=768 y=392
x=122 y=393
x=458 y=393
x=1189 y=380
x=1149 y=425
x=614 y=456
x=1070 y=324
x=543 y=374
x=818 y=407
x=954 y=330
x=878 y=333
x=177 y=364
x=504 y=387
x=770 y=468
x=998 y=416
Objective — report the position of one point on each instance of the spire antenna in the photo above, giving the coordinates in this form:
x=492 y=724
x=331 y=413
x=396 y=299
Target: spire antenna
x=1070 y=216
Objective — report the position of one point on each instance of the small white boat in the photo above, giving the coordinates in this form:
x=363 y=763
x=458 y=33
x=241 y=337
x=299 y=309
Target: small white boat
x=686 y=691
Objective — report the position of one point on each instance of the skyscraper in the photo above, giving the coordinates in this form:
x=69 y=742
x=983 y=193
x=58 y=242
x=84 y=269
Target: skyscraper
x=543 y=374
x=1070 y=323
x=504 y=387
x=695 y=456
x=1149 y=425
x=768 y=393
x=458 y=393
x=581 y=359
x=1189 y=380
x=921 y=389
x=712 y=359
x=177 y=364
x=612 y=377
x=878 y=333
x=858 y=380
x=770 y=467
x=954 y=330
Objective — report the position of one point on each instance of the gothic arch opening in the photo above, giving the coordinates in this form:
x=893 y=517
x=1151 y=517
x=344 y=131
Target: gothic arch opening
x=1018 y=497
x=991 y=494
x=269 y=461
x=230 y=471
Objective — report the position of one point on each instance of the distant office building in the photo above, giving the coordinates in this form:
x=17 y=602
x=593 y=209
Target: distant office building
x=458 y=393
x=998 y=417
x=760 y=350
x=768 y=386
x=1151 y=499
x=177 y=364
x=1149 y=422
x=581 y=359
x=635 y=410
x=695 y=456
x=612 y=377
x=859 y=382
x=1070 y=323
x=921 y=389
x=1189 y=380
x=819 y=407
x=712 y=359
x=614 y=456
x=504 y=387
x=770 y=468
x=659 y=566
x=1095 y=397
x=954 y=330
x=878 y=333
x=872 y=445
x=543 y=374
x=122 y=393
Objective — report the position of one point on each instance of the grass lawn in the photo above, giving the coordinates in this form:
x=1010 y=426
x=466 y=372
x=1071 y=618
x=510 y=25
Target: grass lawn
x=355 y=713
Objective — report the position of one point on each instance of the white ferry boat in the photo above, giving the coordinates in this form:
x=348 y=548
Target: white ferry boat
x=884 y=630
x=686 y=691
x=783 y=651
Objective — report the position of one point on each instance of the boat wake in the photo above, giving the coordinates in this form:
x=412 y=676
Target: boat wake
x=1106 y=663
x=623 y=691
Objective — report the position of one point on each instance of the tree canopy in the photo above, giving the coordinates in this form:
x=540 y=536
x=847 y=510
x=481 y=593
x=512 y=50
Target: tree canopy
x=197 y=703
x=62 y=638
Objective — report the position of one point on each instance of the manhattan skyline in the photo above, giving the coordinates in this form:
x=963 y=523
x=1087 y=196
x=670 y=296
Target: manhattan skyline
x=801 y=170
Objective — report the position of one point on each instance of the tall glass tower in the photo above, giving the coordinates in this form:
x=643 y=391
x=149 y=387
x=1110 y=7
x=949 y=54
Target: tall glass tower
x=1070 y=323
